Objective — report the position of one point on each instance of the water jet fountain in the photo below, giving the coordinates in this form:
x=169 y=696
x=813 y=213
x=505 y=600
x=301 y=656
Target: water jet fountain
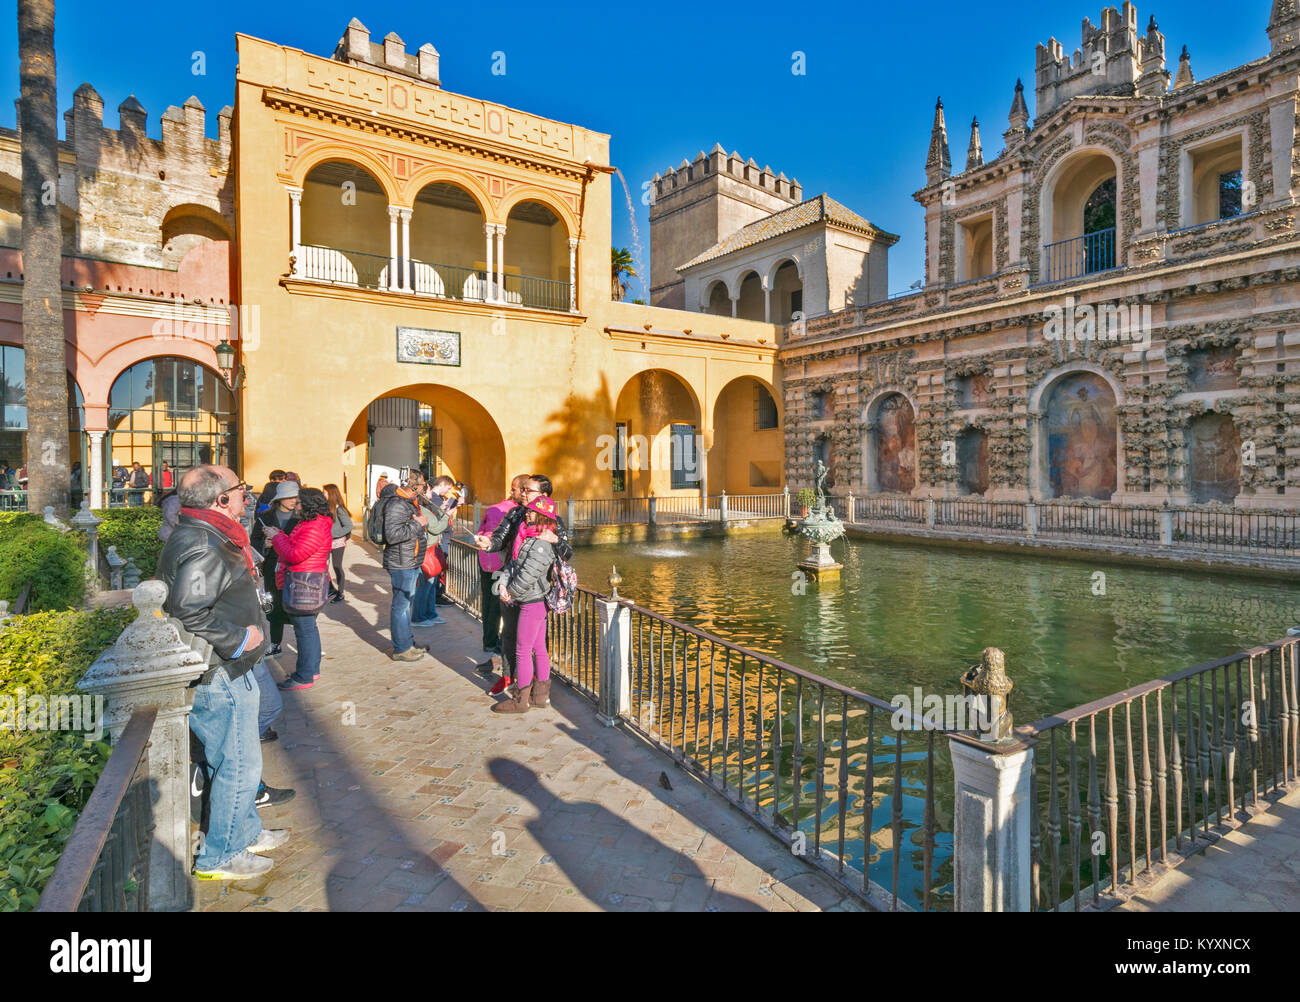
x=821 y=527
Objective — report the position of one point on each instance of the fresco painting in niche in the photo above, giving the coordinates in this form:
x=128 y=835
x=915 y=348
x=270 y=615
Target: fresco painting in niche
x=973 y=461
x=974 y=391
x=895 y=445
x=1212 y=369
x=1214 y=459
x=1081 y=439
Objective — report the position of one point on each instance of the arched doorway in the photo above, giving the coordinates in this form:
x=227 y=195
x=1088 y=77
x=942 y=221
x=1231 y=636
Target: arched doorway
x=717 y=300
x=973 y=461
x=535 y=257
x=1081 y=437
x=1079 y=218
x=891 y=445
x=171 y=410
x=787 y=293
x=748 y=447
x=750 y=304
x=436 y=428
x=1213 y=459
x=659 y=416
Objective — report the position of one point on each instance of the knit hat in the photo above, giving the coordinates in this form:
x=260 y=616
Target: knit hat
x=543 y=506
x=285 y=489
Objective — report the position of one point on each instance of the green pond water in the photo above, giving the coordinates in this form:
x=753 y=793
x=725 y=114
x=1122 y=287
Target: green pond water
x=903 y=616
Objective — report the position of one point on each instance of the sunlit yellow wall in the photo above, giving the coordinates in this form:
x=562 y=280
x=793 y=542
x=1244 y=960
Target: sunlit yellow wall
x=536 y=389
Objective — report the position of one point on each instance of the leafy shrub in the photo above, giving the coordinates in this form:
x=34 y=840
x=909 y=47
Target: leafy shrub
x=46 y=776
x=806 y=498
x=134 y=531
x=10 y=520
x=52 y=562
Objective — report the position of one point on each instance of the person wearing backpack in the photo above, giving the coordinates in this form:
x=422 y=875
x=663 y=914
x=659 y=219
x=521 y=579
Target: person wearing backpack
x=397 y=523
x=526 y=585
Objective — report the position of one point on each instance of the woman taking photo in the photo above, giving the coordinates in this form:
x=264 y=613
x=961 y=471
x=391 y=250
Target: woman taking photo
x=527 y=583
x=340 y=533
x=303 y=579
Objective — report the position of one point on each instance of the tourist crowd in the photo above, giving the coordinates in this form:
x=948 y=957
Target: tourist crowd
x=240 y=570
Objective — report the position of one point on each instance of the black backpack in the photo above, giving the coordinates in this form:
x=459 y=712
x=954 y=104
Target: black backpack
x=375 y=521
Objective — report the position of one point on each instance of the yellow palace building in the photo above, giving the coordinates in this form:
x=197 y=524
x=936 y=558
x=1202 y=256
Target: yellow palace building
x=427 y=279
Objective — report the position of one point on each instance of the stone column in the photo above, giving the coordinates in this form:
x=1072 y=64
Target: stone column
x=394 y=279
x=489 y=276
x=153 y=663
x=573 y=275
x=407 y=281
x=615 y=655
x=734 y=303
x=767 y=302
x=501 y=262
x=295 y=230
x=96 y=468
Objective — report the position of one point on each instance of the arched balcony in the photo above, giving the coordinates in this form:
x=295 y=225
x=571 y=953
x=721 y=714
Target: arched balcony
x=1079 y=217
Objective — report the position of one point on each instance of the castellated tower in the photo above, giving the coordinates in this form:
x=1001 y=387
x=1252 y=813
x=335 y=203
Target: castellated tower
x=1111 y=59
x=700 y=203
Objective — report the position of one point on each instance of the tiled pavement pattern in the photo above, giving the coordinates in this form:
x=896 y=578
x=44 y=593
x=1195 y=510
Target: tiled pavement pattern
x=1254 y=868
x=412 y=796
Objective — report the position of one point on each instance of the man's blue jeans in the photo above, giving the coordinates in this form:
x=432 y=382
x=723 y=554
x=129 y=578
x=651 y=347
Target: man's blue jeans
x=271 y=703
x=224 y=719
x=399 y=616
x=307 y=636
x=424 y=605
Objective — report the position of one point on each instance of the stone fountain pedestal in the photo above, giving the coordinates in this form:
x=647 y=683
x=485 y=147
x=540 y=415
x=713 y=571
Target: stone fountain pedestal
x=820 y=564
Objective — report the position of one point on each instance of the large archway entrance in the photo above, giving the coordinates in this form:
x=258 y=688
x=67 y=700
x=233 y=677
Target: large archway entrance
x=659 y=418
x=435 y=428
x=748 y=448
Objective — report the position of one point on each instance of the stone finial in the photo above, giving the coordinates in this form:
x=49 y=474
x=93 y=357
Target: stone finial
x=938 y=164
x=1284 y=26
x=987 y=686
x=85 y=519
x=615 y=579
x=975 y=152
x=1184 y=77
x=395 y=51
x=130 y=574
x=355 y=43
x=1154 y=81
x=427 y=64
x=1017 y=118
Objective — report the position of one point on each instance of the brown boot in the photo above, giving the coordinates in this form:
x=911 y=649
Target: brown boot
x=540 y=693
x=516 y=702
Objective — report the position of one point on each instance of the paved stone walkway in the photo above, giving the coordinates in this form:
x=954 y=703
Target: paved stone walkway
x=412 y=796
x=1254 y=868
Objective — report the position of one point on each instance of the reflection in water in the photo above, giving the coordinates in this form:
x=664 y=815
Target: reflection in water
x=905 y=615
x=900 y=617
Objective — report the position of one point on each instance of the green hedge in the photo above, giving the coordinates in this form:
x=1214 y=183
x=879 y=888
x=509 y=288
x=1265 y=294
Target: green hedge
x=134 y=531
x=52 y=562
x=10 y=520
x=46 y=776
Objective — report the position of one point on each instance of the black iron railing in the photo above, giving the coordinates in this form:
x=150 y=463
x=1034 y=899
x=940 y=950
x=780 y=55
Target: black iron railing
x=105 y=864
x=1080 y=255
x=1128 y=780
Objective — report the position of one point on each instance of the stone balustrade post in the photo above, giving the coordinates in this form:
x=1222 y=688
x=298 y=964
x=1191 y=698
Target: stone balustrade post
x=153 y=663
x=478 y=514
x=929 y=513
x=573 y=508
x=615 y=621
x=653 y=509
x=722 y=509
x=785 y=491
x=1166 y=528
x=1031 y=519
x=848 y=514
x=115 y=565
x=88 y=524
x=992 y=812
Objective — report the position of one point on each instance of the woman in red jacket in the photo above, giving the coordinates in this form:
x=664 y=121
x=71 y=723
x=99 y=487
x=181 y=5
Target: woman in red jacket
x=304 y=557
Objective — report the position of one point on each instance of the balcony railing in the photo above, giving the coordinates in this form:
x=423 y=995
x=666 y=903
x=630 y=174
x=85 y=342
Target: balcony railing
x=1083 y=255
x=425 y=278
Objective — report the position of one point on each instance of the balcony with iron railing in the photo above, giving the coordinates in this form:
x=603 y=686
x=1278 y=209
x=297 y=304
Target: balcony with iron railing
x=1078 y=256
x=340 y=266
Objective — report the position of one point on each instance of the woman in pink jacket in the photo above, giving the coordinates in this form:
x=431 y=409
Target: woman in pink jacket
x=304 y=553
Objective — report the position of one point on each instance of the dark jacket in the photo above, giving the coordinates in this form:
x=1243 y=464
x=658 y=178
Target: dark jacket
x=342 y=527
x=404 y=538
x=212 y=593
x=528 y=576
x=504 y=535
x=260 y=543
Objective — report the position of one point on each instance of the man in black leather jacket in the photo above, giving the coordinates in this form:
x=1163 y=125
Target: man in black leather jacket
x=212 y=588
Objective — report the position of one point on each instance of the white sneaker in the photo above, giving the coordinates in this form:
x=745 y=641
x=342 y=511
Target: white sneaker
x=271 y=838
x=240 y=867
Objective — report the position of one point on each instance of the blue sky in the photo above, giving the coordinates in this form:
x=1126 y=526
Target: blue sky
x=855 y=125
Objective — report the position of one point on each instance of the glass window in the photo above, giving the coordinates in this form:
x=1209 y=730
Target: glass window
x=764 y=409
x=685 y=459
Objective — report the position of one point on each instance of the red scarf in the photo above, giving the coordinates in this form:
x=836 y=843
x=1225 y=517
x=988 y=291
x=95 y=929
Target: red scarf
x=229 y=528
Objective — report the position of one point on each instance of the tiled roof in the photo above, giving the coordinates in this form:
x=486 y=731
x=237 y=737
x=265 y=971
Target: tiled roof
x=822 y=208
